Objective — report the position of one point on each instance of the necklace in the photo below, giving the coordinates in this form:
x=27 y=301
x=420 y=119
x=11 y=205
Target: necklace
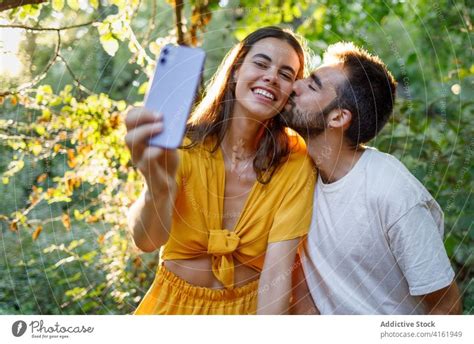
x=237 y=156
x=242 y=170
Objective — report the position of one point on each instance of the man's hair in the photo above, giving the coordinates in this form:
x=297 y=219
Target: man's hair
x=368 y=92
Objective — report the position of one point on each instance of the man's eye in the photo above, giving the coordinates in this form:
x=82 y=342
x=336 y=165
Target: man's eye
x=312 y=87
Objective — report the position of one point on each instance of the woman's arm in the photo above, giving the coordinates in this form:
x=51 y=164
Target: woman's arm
x=274 y=289
x=301 y=301
x=149 y=218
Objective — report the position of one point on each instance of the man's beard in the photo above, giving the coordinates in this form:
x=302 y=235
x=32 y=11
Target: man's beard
x=306 y=123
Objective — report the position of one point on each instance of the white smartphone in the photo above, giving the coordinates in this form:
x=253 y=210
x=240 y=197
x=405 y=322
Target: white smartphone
x=172 y=91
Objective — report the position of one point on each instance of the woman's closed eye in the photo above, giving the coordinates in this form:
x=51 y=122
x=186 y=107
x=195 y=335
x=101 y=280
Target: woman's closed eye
x=264 y=65
x=260 y=64
x=287 y=76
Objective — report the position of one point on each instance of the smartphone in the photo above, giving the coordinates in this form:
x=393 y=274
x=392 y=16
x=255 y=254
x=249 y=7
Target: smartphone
x=172 y=91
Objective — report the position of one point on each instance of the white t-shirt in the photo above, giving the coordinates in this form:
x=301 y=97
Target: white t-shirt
x=375 y=242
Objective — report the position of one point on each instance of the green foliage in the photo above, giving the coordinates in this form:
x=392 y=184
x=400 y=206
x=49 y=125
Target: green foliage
x=88 y=270
x=66 y=177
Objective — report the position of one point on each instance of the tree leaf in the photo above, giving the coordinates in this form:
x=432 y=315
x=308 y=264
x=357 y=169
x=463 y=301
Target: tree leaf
x=109 y=43
x=58 y=5
x=66 y=221
x=94 y=3
x=37 y=232
x=74 y=4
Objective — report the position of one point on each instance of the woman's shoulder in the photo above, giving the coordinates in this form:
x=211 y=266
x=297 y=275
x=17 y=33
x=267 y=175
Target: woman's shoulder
x=195 y=155
x=298 y=152
x=190 y=147
x=297 y=164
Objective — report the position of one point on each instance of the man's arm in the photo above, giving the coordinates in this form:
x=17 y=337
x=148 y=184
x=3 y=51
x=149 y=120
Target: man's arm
x=444 y=301
x=301 y=301
x=416 y=241
x=274 y=288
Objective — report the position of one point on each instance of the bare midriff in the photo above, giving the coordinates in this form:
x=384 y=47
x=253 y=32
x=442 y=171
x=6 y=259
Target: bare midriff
x=198 y=272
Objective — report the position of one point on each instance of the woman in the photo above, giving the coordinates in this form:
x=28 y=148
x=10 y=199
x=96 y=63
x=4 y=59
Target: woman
x=231 y=206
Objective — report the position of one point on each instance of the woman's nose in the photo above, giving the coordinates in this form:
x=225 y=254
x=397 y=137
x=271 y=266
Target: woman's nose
x=271 y=75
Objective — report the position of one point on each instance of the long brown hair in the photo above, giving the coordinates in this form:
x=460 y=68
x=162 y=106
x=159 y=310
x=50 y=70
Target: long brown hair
x=212 y=115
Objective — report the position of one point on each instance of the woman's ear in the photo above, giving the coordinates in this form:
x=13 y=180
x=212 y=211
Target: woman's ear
x=235 y=75
x=339 y=118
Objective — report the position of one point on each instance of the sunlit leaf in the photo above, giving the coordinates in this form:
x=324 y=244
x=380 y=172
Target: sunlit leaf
x=66 y=221
x=109 y=43
x=14 y=225
x=75 y=243
x=40 y=130
x=58 y=5
x=56 y=147
x=74 y=4
x=100 y=239
x=36 y=148
x=64 y=261
x=37 y=232
x=94 y=3
x=13 y=168
x=143 y=88
x=42 y=177
x=89 y=256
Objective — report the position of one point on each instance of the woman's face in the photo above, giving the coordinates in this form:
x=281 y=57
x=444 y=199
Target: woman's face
x=265 y=79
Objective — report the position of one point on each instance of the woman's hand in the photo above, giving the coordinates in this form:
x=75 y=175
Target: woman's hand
x=274 y=287
x=149 y=218
x=301 y=302
x=157 y=165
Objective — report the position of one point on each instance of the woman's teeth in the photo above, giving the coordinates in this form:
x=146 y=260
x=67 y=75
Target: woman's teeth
x=264 y=93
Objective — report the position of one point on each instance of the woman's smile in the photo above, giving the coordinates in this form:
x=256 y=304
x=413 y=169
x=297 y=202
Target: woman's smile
x=265 y=79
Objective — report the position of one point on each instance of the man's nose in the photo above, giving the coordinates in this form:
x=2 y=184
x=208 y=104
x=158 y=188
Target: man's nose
x=297 y=87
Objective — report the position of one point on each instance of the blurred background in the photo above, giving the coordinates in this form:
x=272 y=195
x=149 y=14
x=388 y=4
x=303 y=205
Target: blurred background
x=69 y=69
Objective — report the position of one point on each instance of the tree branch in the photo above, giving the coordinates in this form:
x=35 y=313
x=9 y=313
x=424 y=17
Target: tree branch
x=178 y=10
x=151 y=25
x=39 y=77
x=134 y=40
x=73 y=75
x=9 y=4
x=36 y=28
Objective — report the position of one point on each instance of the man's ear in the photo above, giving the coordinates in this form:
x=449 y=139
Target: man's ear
x=339 y=118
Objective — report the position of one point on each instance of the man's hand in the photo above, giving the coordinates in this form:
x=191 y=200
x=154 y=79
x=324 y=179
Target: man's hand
x=443 y=301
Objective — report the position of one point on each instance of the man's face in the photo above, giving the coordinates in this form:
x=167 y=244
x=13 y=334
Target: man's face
x=313 y=99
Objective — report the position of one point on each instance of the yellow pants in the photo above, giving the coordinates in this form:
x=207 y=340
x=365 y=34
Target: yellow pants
x=169 y=294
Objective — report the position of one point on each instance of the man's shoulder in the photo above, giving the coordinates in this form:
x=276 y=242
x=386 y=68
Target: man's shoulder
x=381 y=160
x=388 y=172
x=392 y=187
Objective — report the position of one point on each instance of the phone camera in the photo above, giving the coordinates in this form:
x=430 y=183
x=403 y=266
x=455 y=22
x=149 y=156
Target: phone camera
x=162 y=60
x=165 y=51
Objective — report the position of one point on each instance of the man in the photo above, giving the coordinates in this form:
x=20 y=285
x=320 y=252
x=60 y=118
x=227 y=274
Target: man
x=376 y=240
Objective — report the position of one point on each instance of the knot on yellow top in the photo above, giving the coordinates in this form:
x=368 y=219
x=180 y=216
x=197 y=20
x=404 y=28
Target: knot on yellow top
x=222 y=243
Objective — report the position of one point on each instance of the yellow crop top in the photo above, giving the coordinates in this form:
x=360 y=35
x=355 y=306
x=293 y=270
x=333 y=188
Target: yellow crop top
x=277 y=211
